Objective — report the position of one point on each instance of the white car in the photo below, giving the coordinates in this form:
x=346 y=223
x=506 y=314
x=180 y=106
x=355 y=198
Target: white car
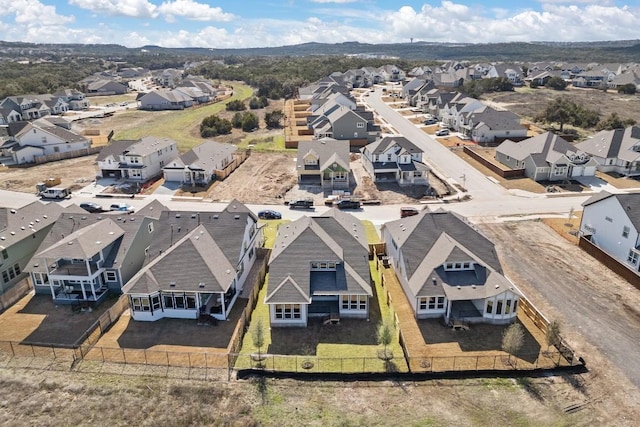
x=121 y=207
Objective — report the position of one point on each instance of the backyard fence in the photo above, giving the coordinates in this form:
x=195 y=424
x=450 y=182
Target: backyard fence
x=67 y=155
x=238 y=158
x=14 y=293
x=610 y=262
x=100 y=326
x=505 y=173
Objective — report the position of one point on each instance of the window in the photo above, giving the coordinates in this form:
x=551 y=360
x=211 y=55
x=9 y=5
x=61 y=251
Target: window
x=140 y=304
x=489 y=309
x=608 y=218
x=499 y=307
x=340 y=175
x=168 y=301
x=191 y=300
x=632 y=258
x=354 y=302
x=111 y=276
x=155 y=302
x=5 y=254
x=436 y=303
x=507 y=307
x=323 y=265
x=422 y=303
x=625 y=231
x=360 y=125
x=288 y=311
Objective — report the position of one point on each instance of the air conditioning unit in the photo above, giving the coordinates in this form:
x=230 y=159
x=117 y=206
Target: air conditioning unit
x=590 y=229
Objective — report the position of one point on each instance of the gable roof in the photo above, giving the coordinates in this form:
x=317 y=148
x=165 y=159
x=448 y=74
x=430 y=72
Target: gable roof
x=382 y=145
x=548 y=145
x=336 y=237
x=616 y=143
x=327 y=150
x=207 y=155
x=208 y=269
x=115 y=148
x=630 y=203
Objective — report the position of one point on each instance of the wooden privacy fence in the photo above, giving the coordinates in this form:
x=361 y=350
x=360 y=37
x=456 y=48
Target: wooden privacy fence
x=67 y=155
x=238 y=158
x=610 y=262
x=504 y=173
x=14 y=293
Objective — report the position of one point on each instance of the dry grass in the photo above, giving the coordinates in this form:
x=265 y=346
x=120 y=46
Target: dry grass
x=566 y=227
x=619 y=181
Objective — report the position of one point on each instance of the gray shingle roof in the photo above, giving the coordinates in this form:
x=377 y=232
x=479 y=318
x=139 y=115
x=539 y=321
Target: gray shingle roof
x=338 y=237
x=328 y=150
x=630 y=203
x=17 y=224
x=207 y=155
x=617 y=143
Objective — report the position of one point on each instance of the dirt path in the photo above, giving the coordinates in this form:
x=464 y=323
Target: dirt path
x=597 y=308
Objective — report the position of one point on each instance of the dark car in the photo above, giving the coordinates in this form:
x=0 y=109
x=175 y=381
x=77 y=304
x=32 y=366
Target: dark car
x=269 y=214
x=406 y=211
x=348 y=204
x=430 y=121
x=91 y=207
x=301 y=204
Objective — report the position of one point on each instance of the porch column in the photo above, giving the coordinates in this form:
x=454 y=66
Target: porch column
x=84 y=292
x=93 y=291
x=448 y=311
x=224 y=306
x=53 y=293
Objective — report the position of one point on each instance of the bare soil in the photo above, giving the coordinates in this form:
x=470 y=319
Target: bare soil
x=527 y=102
x=598 y=310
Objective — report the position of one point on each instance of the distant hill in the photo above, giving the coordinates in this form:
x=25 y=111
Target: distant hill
x=602 y=51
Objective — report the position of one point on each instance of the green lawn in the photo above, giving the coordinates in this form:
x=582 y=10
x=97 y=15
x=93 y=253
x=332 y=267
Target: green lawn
x=178 y=125
x=264 y=144
x=350 y=347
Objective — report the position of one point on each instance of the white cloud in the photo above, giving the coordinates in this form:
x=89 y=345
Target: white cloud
x=192 y=10
x=130 y=8
x=33 y=13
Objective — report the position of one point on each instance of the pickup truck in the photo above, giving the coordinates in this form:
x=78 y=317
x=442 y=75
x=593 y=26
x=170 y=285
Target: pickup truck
x=301 y=204
x=348 y=204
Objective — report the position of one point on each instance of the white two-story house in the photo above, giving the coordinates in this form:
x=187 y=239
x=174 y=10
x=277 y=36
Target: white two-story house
x=395 y=159
x=612 y=222
x=138 y=160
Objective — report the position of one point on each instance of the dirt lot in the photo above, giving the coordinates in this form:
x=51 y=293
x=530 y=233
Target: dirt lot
x=527 y=102
x=598 y=310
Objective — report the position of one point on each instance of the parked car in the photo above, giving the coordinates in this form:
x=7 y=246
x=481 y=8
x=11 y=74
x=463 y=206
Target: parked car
x=269 y=214
x=301 y=204
x=92 y=207
x=442 y=132
x=430 y=121
x=121 y=207
x=408 y=211
x=348 y=204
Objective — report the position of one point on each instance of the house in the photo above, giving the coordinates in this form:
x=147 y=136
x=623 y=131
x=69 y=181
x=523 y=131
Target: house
x=86 y=256
x=21 y=233
x=546 y=157
x=396 y=159
x=448 y=269
x=357 y=126
x=323 y=162
x=42 y=137
x=31 y=107
x=630 y=77
x=164 y=99
x=105 y=86
x=590 y=78
x=391 y=73
x=615 y=150
x=138 y=160
x=198 y=166
x=196 y=264
x=74 y=98
x=486 y=125
x=612 y=222
x=319 y=267
x=169 y=78
x=511 y=72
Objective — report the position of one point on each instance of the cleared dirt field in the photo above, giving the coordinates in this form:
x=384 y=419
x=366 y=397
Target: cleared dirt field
x=527 y=102
x=598 y=309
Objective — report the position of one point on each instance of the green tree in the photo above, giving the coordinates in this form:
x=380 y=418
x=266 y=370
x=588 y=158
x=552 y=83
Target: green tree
x=272 y=120
x=560 y=110
x=236 y=105
x=214 y=126
x=385 y=337
x=254 y=103
x=236 y=120
x=513 y=339
x=628 y=89
x=249 y=122
x=613 y=121
x=556 y=83
x=257 y=336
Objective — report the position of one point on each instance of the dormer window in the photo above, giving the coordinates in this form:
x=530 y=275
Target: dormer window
x=453 y=266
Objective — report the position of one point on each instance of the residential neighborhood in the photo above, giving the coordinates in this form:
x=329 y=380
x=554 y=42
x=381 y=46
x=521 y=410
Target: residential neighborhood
x=158 y=260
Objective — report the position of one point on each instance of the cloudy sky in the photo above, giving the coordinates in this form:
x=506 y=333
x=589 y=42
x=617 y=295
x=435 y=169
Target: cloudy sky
x=260 y=23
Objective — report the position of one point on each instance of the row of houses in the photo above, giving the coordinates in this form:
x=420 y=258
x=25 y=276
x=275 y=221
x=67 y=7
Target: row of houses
x=24 y=142
x=30 y=107
x=549 y=157
x=187 y=93
x=319 y=265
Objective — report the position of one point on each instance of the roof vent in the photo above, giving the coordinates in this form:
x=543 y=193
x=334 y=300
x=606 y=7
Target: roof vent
x=194 y=216
x=497 y=286
x=197 y=237
x=13 y=233
x=22 y=228
x=459 y=287
x=12 y=211
x=178 y=215
x=216 y=216
x=37 y=219
x=237 y=217
x=201 y=285
x=70 y=243
x=2 y=238
x=228 y=271
x=44 y=216
x=473 y=286
x=31 y=223
x=172 y=284
x=98 y=242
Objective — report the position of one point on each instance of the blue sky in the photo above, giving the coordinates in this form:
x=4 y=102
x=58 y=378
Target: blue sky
x=253 y=23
